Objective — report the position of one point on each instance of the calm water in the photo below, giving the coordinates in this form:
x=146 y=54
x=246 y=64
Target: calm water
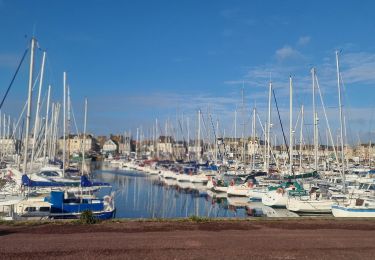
x=138 y=195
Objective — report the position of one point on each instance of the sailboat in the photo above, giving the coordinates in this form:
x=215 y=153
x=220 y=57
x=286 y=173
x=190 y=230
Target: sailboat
x=277 y=196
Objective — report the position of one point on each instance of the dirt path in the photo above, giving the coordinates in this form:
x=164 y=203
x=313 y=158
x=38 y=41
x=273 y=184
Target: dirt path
x=284 y=239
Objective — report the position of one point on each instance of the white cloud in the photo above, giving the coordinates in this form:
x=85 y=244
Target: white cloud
x=303 y=40
x=287 y=52
x=358 y=67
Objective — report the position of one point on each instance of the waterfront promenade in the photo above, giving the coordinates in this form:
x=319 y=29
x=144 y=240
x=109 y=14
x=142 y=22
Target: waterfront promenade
x=229 y=239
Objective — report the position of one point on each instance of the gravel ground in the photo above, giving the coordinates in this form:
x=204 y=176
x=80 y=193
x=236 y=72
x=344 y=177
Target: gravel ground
x=261 y=239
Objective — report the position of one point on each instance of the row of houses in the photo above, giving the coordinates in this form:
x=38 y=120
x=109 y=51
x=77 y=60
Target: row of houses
x=75 y=144
x=167 y=147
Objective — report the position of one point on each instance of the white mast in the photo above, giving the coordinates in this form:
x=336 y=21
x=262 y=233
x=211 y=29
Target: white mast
x=84 y=137
x=36 y=125
x=136 y=144
x=157 y=137
x=51 y=131
x=199 y=135
x=68 y=107
x=8 y=128
x=301 y=140
x=243 y=122
x=315 y=122
x=235 y=135
x=268 y=129
x=188 y=135
x=4 y=126
x=64 y=122
x=235 y=125
x=216 y=140
x=1 y=132
x=341 y=122
x=290 y=126
x=29 y=99
x=46 y=125
x=254 y=137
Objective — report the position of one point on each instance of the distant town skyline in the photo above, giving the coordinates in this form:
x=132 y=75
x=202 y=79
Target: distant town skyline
x=136 y=61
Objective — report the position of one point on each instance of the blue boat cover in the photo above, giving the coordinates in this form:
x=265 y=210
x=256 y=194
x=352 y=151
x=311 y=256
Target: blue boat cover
x=26 y=181
x=85 y=182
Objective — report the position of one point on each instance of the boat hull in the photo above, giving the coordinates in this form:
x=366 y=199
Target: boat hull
x=309 y=206
x=275 y=199
x=352 y=212
x=237 y=191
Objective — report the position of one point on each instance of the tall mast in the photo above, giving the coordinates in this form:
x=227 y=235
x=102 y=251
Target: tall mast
x=46 y=125
x=84 y=137
x=216 y=140
x=235 y=135
x=1 y=132
x=157 y=137
x=268 y=128
x=4 y=126
x=291 y=126
x=243 y=122
x=137 y=144
x=315 y=122
x=199 y=134
x=36 y=125
x=301 y=140
x=254 y=134
x=341 y=121
x=188 y=136
x=235 y=125
x=29 y=99
x=51 y=127
x=8 y=128
x=68 y=106
x=64 y=122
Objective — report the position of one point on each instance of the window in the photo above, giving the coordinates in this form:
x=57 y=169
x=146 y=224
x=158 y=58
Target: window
x=44 y=209
x=49 y=174
x=30 y=209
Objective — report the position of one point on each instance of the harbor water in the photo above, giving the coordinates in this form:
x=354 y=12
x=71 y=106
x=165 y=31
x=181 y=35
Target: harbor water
x=139 y=195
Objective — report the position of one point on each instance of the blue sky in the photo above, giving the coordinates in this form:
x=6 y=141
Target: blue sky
x=141 y=60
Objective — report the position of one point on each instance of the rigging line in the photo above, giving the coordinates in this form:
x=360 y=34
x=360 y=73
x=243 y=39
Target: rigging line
x=326 y=118
x=347 y=113
x=23 y=110
x=183 y=136
x=14 y=77
x=281 y=124
x=216 y=143
x=74 y=118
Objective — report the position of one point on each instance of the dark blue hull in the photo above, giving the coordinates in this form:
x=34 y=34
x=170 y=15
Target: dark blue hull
x=102 y=215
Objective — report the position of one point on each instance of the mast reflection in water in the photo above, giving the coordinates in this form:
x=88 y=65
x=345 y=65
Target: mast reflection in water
x=142 y=196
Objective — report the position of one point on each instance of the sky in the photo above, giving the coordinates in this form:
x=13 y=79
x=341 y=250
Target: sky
x=140 y=60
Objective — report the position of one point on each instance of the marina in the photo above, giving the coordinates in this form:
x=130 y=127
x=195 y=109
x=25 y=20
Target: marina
x=139 y=195
x=163 y=175
x=187 y=129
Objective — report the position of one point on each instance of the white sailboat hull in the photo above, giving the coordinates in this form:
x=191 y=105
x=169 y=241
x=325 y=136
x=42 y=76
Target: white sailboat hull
x=309 y=206
x=256 y=194
x=199 y=178
x=183 y=177
x=238 y=190
x=353 y=212
x=275 y=199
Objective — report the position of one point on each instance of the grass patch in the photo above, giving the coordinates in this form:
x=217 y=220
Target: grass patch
x=198 y=219
x=88 y=218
